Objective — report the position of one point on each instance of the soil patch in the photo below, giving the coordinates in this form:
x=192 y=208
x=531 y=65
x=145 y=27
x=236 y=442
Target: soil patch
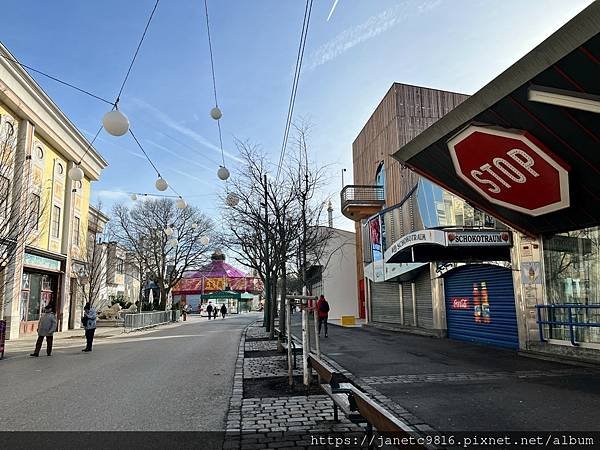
x=277 y=387
x=261 y=353
x=259 y=339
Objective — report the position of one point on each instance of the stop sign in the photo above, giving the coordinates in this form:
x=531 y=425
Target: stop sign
x=511 y=168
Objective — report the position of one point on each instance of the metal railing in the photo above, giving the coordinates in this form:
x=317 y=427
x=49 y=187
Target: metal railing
x=571 y=315
x=362 y=194
x=149 y=319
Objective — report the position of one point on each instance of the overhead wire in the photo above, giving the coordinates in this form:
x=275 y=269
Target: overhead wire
x=214 y=78
x=295 y=82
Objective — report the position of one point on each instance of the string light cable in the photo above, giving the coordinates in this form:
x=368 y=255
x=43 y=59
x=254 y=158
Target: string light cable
x=295 y=82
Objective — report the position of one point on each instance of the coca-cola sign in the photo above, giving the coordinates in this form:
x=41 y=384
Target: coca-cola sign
x=459 y=303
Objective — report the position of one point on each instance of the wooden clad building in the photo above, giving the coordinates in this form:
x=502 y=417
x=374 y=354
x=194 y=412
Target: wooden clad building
x=403 y=113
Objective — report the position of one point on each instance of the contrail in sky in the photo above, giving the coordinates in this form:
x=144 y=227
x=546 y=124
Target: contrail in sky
x=332 y=9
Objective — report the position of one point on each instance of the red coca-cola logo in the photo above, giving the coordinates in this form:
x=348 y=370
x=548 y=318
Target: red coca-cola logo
x=504 y=237
x=459 y=303
x=451 y=236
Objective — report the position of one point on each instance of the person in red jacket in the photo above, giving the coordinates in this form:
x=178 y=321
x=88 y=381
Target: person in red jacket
x=323 y=313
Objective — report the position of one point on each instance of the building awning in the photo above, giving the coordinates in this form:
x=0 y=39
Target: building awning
x=450 y=245
x=221 y=295
x=567 y=138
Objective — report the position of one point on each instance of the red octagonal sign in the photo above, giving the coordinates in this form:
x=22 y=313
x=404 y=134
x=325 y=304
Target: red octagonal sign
x=511 y=168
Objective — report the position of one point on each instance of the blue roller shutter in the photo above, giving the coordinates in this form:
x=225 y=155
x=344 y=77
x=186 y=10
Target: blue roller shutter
x=498 y=327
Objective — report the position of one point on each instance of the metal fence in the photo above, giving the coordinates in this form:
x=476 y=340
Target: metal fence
x=149 y=319
x=570 y=320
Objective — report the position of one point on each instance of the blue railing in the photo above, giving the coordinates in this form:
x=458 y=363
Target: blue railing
x=572 y=318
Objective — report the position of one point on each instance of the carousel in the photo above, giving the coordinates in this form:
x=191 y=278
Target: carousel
x=218 y=283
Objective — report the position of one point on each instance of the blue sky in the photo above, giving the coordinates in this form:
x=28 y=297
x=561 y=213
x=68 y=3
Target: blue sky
x=350 y=62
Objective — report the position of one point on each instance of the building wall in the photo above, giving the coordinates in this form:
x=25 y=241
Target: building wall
x=339 y=276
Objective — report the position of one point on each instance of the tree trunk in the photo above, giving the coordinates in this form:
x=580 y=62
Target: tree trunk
x=273 y=305
x=163 y=298
x=282 y=309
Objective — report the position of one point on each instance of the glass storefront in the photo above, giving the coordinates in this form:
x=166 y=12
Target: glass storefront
x=572 y=276
x=37 y=291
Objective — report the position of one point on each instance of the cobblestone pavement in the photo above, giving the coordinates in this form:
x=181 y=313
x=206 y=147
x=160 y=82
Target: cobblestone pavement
x=467 y=376
x=289 y=421
x=257 y=346
x=272 y=366
x=254 y=332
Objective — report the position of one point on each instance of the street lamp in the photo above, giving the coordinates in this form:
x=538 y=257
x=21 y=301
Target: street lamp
x=161 y=184
x=180 y=203
x=75 y=173
x=216 y=113
x=232 y=199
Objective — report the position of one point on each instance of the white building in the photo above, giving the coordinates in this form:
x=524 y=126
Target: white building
x=334 y=274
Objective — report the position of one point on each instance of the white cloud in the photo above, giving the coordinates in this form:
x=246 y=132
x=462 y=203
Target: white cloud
x=182 y=129
x=372 y=27
x=193 y=177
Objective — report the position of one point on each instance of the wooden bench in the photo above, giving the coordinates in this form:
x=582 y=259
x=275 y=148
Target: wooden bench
x=282 y=345
x=336 y=386
x=355 y=404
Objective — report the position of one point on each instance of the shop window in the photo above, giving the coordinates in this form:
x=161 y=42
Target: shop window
x=572 y=276
x=55 y=229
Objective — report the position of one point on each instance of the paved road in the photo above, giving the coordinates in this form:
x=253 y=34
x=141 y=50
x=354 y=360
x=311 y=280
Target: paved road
x=454 y=385
x=174 y=378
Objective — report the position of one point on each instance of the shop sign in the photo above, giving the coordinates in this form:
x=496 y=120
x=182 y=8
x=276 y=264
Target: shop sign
x=41 y=262
x=435 y=237
x=459 y=303
x=478 y=238
x=511 y=168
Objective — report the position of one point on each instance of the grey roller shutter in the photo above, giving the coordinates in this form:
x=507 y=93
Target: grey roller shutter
x=385 y=302
x=423 y=296
x=408 y=304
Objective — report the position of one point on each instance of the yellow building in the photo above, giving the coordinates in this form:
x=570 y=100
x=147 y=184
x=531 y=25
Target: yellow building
x=42 y=266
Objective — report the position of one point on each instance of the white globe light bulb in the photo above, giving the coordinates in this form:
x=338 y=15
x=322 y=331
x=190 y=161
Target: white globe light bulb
x=180 y=203
x=168 y=231
x=204 y=240
x=161 y=184
x=194 y=226
x=223 y=173
x=115 y=123
x=76 y=174
x=216 y=113
x=232 y=199
x=133 y=197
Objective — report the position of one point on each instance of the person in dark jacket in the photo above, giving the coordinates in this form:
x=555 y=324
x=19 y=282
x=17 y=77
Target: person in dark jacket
x=89 y=323
x=209 y=310
x=215 y=312
x=223 y=310
x=323 y=313
x=46 y=328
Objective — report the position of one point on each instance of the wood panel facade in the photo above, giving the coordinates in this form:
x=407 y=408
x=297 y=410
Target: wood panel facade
x=403 y=113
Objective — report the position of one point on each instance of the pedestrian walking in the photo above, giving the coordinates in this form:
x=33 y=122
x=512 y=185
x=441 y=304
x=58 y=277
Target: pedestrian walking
x=184 y=312
x=223 y=310
x=323 y=313
x=89 y=323
x=215 y=312
x=209 y=310
x=46 y=328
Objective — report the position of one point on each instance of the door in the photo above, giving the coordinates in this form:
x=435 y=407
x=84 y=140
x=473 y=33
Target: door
x=480 y=305
x=37 y=291
x=385 y=302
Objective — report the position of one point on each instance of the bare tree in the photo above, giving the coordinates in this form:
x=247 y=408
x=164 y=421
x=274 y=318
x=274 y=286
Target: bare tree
x=143 y=229
x=92 y=276
x=272 y=227
x=20 y=205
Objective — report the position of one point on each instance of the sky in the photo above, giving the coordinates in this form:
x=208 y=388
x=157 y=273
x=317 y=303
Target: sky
x=353 y=55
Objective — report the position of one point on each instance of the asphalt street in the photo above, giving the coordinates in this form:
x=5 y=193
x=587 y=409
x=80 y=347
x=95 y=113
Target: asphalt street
x=458 y=386
x=174 y=378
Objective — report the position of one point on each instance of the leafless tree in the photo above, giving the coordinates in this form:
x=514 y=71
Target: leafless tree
x=271 y=228
x=21 y=205
x=142 y=228
x=92 y=277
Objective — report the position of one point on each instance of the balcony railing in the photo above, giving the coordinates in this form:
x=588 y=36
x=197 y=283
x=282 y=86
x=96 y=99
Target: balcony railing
x=360 y=201
x=362 y=194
